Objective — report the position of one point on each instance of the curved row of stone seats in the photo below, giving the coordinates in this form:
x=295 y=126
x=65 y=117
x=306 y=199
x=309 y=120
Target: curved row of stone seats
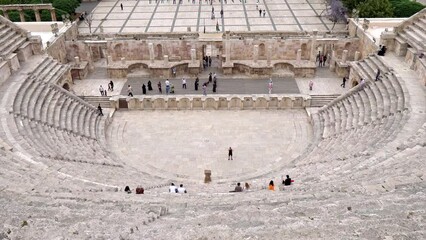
x=364 y=118
x=232 y=102
x=10 y=39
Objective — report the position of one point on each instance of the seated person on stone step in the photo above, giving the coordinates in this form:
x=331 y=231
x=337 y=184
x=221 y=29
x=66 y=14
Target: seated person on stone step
x=238 y=188
x=173 y=188
x=287 y=181
x=172 y=88
x=181 y=189
x=127 y=189
x=271 y=186
x=247 y=186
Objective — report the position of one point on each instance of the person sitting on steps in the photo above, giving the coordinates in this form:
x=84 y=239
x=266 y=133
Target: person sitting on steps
x=287 y=181
x=127 y=190
x=238 y=188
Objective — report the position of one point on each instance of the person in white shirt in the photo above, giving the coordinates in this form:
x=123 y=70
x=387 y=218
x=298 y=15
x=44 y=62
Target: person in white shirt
x=184 y=83
x=181 y=189
x=167 y=86
x=101 y=90
x=173 y=188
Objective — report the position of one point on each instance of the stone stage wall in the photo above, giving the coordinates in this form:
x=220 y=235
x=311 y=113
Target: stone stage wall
x=224 y=102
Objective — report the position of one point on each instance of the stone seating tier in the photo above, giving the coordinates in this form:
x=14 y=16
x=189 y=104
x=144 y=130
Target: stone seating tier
x=10 y=40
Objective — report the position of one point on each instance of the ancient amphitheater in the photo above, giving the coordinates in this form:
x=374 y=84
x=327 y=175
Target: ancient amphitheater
x=357 y=155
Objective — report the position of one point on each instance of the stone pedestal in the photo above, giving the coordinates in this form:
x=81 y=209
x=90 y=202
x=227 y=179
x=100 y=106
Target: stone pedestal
x=123 y=60
x=268 y=56
x=344 y=56
x=299 y=55
x=227 y=51
x=193 y=55
x=109 y=60
x=333 y=61
x=77 y=60
x=255 y=53
x=207 y=176
x=357 y=56
x=151 y=52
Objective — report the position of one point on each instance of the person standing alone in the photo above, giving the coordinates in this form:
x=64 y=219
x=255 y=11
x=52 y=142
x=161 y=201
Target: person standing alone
x=230 y=154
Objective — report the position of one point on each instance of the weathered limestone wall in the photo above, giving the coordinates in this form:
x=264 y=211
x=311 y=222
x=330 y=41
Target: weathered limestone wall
x=366 y=43
x=224 y=102
x=57 y=48
x=5 y=71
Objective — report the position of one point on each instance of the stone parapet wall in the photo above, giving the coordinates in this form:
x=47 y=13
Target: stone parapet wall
x=366 y=43
x=214 y=102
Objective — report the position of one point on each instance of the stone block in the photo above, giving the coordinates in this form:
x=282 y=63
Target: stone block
x=172 y=103
x=261 y=103
x=235 y=103
x=207 y=176
x=222 y=103
x=147 y=103
x=159 y=103
x=133 y=103
x=210 y=103
x=273 y=103
x=287 y=102
x=197 y=103
x=184 y=104
x=24 y=52
x=13 y=61
x=298 y=102
x=248 y=103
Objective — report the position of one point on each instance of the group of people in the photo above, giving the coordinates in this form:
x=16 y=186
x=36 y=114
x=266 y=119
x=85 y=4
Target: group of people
x=321 y=59
x=207 y=61
x=285 y=182
x=104 y=91
x=382 y=50
x=174 y=189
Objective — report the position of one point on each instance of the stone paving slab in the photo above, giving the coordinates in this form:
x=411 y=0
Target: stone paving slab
x=185 y=143
x=299 y=15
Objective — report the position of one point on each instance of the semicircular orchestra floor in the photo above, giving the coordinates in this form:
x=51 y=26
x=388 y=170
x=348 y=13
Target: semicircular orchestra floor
x=182 y=144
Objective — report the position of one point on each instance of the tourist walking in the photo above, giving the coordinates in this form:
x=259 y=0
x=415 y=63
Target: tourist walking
x=230 y=154
x=270 y=86
x=167 y=86
x=159 y=87
x=143 y=89
x=197 y=82
x=121 y=5
x=210 y=61
x=111 y=86
x=101 y=90
x=260 y=12
x=204 y=89
x=343 y=82
x=183 y=83
x=311 y=85
x=100 y=110
x=129 y=91
x=264 y=12
x=221 y=13
x=210 y=77
x=149 y=86
x=214 y=85
x=378 y=75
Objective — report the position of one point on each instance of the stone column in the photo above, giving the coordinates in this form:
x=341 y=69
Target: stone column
x=299 y=55
x=255 y=53
x=228 y=51
x=357 y=56
x=313 y=46
x=77 y=60
x=151 y=52
x=268 y=55
x=21 y=15
x=344 y=56
x=193 y=55
x=123 y=60
x=53 y=15
x=5 y=14
x=37 y=15
x=333 y=61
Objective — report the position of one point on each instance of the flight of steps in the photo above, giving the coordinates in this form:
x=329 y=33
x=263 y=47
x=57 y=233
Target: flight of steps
x=96 y=100
x=10 y=40
x=413 y=31
x=322 y=100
